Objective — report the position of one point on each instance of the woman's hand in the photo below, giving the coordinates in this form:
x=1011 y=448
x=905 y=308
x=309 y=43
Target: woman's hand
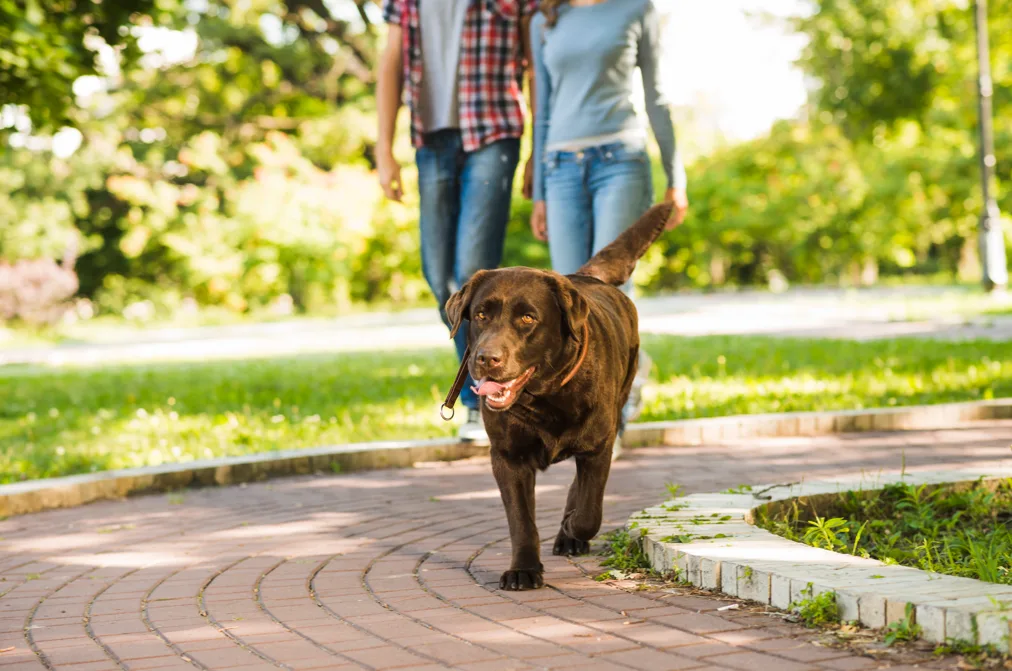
x=681 y=200
x=539 y=221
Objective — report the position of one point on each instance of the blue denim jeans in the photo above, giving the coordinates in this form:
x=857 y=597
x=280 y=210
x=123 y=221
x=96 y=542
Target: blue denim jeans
x=591 y=197
x=465 y=206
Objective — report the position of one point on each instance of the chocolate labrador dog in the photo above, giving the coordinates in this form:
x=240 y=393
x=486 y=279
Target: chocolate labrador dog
x=554 y=357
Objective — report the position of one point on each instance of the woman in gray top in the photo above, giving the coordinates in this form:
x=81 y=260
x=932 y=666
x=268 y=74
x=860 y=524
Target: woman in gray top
x=592 y=173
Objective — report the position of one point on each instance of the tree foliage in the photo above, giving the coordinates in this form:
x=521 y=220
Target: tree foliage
x=882 y=176
x=45 y=45
x=881 y=63
x=230 y=166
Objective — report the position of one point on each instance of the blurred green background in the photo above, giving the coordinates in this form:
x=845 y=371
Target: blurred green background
x=222 y=163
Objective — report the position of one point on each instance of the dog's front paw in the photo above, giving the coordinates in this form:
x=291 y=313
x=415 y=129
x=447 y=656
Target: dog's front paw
x=517 y=579
x=569 y=547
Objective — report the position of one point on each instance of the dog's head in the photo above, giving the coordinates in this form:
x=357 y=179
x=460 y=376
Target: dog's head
x=523 y=325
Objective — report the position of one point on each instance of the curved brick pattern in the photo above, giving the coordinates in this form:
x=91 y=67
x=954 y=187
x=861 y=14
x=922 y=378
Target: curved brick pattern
x=399 y=569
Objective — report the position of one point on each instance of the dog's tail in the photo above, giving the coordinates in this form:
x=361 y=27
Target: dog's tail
x=615 y=263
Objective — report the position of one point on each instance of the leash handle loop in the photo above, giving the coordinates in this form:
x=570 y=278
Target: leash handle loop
x=458 y=385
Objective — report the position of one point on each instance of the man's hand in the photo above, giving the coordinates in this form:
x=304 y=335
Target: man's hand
x=681 y=200
x=528 y=189
x=389 y=87
x=539 y=221
x=390 y=176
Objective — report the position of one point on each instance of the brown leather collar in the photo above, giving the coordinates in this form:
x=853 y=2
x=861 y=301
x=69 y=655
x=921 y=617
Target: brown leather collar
x=458 y=382
x=584 y=346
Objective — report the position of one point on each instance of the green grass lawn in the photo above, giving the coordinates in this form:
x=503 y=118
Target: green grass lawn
x=73 y=420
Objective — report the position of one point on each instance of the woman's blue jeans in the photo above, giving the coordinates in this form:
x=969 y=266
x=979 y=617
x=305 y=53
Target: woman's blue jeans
x=591 y=197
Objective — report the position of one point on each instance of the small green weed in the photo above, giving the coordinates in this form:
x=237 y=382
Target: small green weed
x=679 y=538
x=827 y=534
x=623 y=555
x=976 y=656
x=674 y=491
x=740 y=489
x=905 y=629
x=816 y=611
x=335 y=467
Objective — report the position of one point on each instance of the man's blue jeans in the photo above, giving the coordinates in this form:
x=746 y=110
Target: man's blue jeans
x=591 y=197
x=465 y=206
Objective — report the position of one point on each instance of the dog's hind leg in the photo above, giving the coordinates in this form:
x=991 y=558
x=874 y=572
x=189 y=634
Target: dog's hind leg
x=516 y=487
x=585 y=503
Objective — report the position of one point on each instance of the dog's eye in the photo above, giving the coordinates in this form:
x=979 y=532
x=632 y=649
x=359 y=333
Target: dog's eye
x=527 y=319
x=480 y=316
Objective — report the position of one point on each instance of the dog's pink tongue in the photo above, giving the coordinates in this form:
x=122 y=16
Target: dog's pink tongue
x=487 y=386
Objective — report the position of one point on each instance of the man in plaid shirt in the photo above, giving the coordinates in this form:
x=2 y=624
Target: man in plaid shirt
x=457 y=64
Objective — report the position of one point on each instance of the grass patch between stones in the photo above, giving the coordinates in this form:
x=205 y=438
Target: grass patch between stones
x=963 y=530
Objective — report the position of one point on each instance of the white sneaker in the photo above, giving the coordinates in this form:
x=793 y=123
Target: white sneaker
x=634 y=405
x=473 y=429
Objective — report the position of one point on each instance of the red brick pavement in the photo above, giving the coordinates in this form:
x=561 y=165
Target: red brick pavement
x=399 y=570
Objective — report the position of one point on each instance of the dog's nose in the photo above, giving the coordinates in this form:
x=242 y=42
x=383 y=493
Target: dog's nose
x=489 y=358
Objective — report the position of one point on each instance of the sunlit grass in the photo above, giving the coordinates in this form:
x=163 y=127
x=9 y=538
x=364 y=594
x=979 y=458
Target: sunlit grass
x=73 y=420
x=700 y=377
x=957 y=531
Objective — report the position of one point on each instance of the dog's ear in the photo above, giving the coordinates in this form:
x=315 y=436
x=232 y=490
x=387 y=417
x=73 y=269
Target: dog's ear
x=572 y=304
x=458 y=307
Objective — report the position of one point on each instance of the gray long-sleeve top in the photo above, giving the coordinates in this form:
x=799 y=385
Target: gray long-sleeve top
x=583 y=76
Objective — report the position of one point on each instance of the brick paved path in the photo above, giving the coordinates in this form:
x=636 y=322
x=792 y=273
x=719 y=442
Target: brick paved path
x=399 y=569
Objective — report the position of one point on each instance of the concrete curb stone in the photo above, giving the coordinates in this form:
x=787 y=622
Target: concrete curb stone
x=712 y=543
x=39 y=495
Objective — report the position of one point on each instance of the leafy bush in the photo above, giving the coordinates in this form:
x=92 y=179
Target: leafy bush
x=230 y=226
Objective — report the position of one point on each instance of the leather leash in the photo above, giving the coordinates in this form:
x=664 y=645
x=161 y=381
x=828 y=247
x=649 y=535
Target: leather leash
x=458 y=382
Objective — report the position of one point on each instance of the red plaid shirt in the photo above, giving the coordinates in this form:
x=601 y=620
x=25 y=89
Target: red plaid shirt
x=489 y=71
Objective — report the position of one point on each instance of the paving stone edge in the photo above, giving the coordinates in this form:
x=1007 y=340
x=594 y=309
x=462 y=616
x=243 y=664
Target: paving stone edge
x=39 y=495
x=712 y=542
x=719 y=429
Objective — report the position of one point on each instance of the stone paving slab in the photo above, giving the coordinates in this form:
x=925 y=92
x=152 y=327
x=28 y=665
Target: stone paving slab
x=398 y=569
x=711 y=540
